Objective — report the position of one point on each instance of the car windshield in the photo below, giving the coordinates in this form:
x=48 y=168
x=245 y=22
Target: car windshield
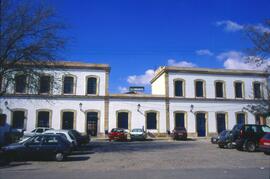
x=71 y=135
x=75 y=133
x=265 y=129
x=24 y=140
x=137 y=130
x=33 y=130
x=237 y=127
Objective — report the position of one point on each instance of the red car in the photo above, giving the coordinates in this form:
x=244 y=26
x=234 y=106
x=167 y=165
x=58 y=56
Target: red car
x=264 y=144
x=118 y=134
x=179 y=133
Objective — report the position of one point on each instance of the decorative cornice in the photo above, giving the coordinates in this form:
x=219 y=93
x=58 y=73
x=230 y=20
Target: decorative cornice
x=164 y=69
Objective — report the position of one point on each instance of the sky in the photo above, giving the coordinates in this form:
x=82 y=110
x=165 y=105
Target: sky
x=135 y=37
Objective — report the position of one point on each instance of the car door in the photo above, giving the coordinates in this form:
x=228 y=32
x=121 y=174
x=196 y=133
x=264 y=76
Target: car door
x=49 y=146
x=32 y=149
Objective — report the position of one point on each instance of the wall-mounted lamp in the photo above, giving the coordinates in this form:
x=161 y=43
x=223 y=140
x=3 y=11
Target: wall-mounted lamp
x=6 y=104
x=81 y=109
x=138 y=107
x=191 y=108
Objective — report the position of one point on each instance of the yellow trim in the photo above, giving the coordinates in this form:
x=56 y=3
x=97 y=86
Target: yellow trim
x=98 y=119
x=226 y=119
x=74 y=84
x=204 y=88
x=223 y=90
x=157 y=118
x=183 y=87
x=97 y=85
x=206 y=123
x=44 y=110
x=185 y=118
x=74 y=117
x=25 y=116
x=129 y=117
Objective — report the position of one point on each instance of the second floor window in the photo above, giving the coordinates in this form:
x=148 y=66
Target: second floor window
x=45 y=84
x=238 y=89
x=20 y=84
x=199 y=89
x=178 y=88
x=257 y=90
x=219 y=89
x=91 y=85
x=68 y=85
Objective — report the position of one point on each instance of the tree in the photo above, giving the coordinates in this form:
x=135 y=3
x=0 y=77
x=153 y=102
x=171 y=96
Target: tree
x=30 y=40
x=259 y=54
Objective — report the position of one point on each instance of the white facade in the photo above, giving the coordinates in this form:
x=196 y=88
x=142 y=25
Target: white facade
x=162 y=103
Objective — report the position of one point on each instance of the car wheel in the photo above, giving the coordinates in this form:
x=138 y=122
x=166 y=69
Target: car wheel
x=221 y=146
x=59 y=157
x=229 y=145
x=250 y=146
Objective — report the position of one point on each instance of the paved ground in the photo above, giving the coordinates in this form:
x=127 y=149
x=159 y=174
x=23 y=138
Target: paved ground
x=151 y=159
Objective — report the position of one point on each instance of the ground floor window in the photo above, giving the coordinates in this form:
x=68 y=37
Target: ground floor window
x=151 y=120
x=179 y=118
x=221 y=122
x=18 y=118
x=240 y=118
x=68 y=120
x=122 y=120
x=43 y=119
x=201 y=124
x=92 y=123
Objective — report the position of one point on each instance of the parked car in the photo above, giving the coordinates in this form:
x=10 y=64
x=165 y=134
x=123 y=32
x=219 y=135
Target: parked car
x=138 y=134
x=36 y=131
x=43 y=146
x=118 y=134
x=81 y=139
x=225 y=140
x=179 y=133
x=264 y=144
x=214 y=139
x=250 y=135
x=65 y=133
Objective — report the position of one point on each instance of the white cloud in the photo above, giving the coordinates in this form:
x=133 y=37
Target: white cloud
x=204 y=52
x=230 y=26
x=122 y=89
x=237 y=60
x=141 y=79
x=172 y=62
x=261 y=28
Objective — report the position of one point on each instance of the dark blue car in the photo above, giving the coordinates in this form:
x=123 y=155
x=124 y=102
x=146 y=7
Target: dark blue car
x=44 y=146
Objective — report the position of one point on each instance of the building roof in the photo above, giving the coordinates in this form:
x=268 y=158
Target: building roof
x=174 y=69
x=68 y=64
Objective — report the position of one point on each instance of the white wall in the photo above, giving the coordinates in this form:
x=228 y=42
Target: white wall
x=158 y=86
x=31 y=105
x=211 y=108
x=137 y=118
x=210 y=85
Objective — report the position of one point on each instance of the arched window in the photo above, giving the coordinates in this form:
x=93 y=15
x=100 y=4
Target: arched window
x=179 y=119
x=240 y=118
x=68 y=120
x=238 y=89
x=219 y=88
x=257 y=90
x=151 y=120
x=43 y=118
x=45 y=84
x=20 y=84
x=19 y=119
x=122 y=120
x=69 y=85
x=91 y=85
x=199 y=88
x=179 y=88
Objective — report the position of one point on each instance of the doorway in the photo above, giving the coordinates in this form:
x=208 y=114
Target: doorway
x=221 y=122
x=201 y=124
x=92 y=123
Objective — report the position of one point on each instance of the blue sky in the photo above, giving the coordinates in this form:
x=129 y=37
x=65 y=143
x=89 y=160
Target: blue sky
x=137 y=36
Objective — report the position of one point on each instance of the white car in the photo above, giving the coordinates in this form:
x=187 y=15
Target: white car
x=65 y=133
x=138 y=134
x=39 y=130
